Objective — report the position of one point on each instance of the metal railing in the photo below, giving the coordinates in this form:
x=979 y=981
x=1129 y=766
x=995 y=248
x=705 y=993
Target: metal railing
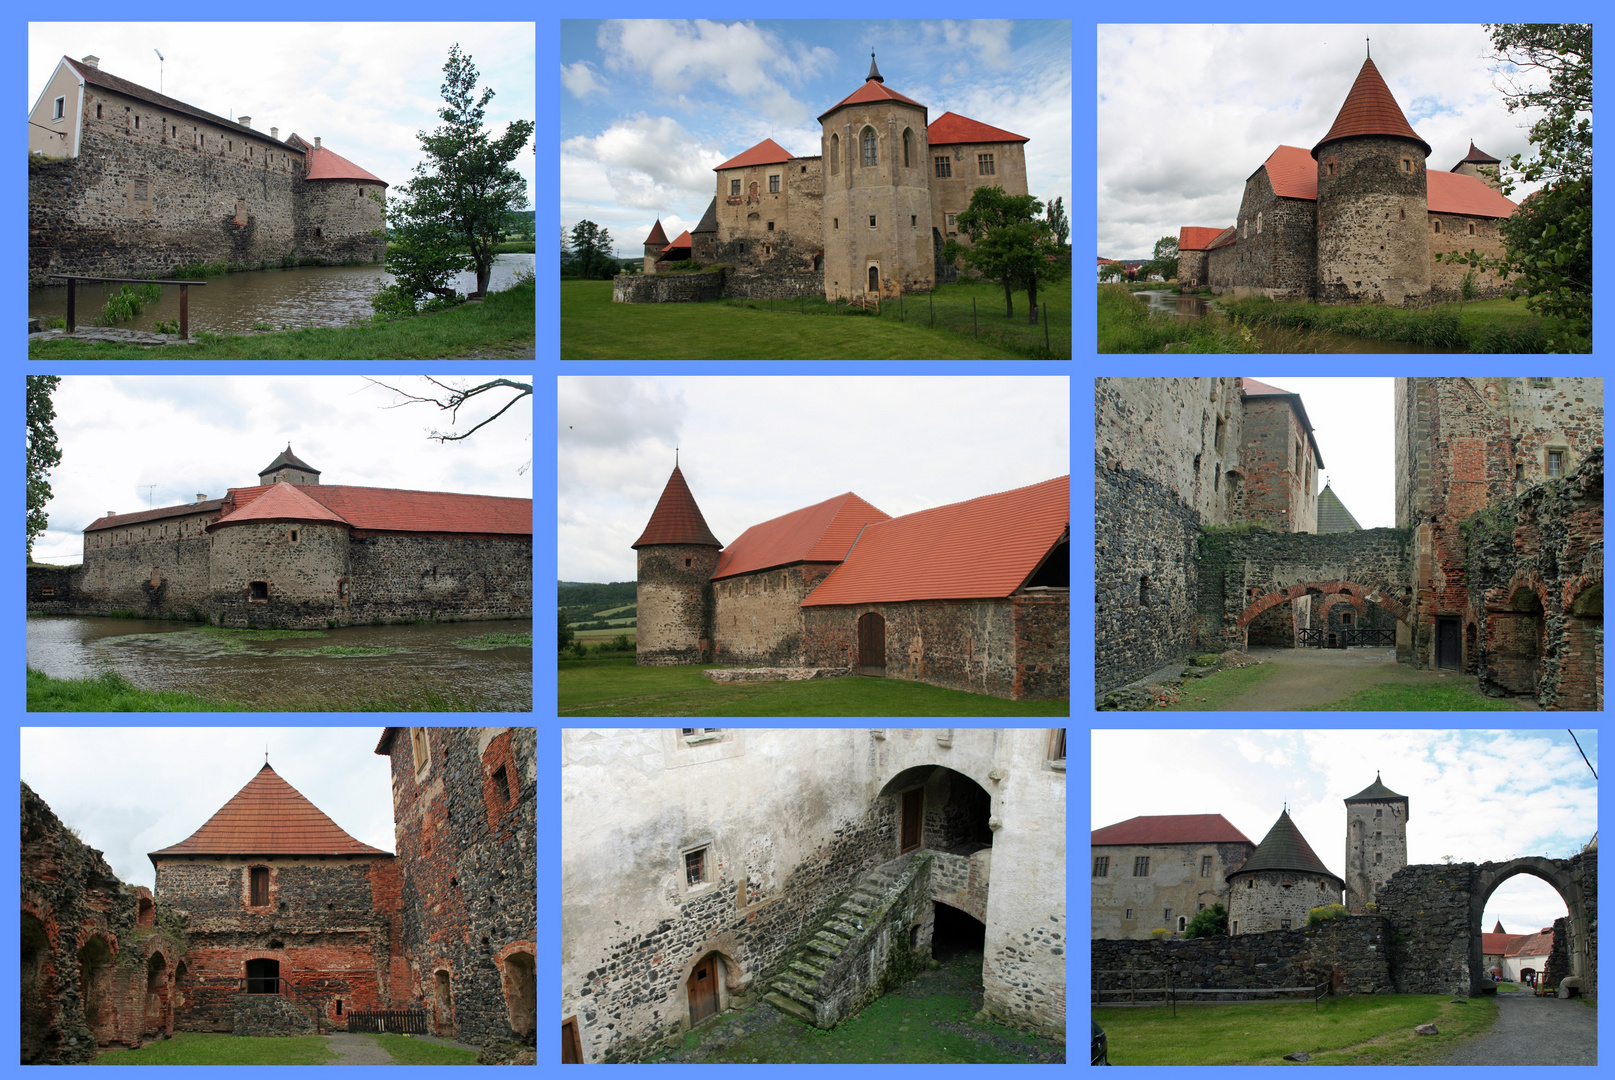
x=184 y=297
x=1169 y=994
x=1344 y=637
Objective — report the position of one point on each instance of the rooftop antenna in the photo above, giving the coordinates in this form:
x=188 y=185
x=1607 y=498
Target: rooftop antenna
x=1368 y=48
x=160 y=59
x=675 y=457
x=149 y=489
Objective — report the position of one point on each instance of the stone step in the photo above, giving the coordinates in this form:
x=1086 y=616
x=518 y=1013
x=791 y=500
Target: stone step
x=830 y=951
x=855 y=907
x=845 y=927
x=793 y=987
x=807 y=971
x=830 y=937
x=791 y=1006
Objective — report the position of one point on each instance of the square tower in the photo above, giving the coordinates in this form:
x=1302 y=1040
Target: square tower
x=1376 y=842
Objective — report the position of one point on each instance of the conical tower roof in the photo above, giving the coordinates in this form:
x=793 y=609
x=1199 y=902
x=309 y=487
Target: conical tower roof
x=1478 y=157
x=1333 y=516
x=1378 y=792
x=874 y=72
x=1284 y=848
x=676 y=519
x=269 y=817
x=657 y=236
x=1370 y=110
x=287 y=458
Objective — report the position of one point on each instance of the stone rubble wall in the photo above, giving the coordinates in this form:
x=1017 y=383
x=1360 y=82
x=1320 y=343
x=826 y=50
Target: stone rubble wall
x=1428 y=907
x=962 y=644
x=667 y=288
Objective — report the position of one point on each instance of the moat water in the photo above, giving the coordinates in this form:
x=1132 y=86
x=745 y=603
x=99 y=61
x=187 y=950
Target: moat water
x=1165 y=301
x=278 y=299
x=441 y=667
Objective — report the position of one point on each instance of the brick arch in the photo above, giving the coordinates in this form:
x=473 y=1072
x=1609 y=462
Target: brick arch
x=1375 y=594
x=1526 y=580
x=1579 y=587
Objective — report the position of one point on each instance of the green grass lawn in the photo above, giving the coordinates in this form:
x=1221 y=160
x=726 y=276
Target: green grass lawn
x=595 y=328
x=1368 y=1030
x=1405 y=697
x=502 y=327
x=594 y=637
x=408 y=1051
x=1214 y=691
x=198 y=1048
x=618 y=687
x=111 y=692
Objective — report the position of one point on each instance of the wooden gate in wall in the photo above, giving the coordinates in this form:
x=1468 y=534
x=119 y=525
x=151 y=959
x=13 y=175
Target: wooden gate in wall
x=872 y=644
x=703 y=988
x=913 y=818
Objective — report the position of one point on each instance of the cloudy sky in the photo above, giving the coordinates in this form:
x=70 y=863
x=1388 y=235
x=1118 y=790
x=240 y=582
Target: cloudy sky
x=366 y=89
x=1176 y=149
x=753 y=448
x=649 y=107
x=177 y=778
x=190 y=434
x=1477 y=796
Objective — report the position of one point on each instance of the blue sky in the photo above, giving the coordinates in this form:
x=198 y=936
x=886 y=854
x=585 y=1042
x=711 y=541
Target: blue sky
x=1236 y=93
x=1477 y=796
x=649 y=107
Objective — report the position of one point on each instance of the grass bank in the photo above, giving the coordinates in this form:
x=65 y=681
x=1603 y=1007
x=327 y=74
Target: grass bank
x=200 y=1048
x=1127 y=326
x=1369 y=1030
x=595 y=328
x=618 y=687
x=501 y=327
x=112 y=692
x=1484 y=326
x=409 y=1051
x=1406 y=697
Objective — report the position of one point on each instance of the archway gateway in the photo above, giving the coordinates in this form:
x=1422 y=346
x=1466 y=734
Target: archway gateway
x=1557 y=873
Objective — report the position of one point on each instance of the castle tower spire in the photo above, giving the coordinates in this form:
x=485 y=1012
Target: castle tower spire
x=677 y=556
x=874 y=72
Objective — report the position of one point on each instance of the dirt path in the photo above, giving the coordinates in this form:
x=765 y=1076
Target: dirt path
x=1532 y=1031
x=352 y=1048
x=1307 y=677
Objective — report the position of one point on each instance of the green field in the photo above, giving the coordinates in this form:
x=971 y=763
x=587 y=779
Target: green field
x=593 y=637
x=200 y=1048
x=618 y=687
x=1369 y=1030
x=595 y=328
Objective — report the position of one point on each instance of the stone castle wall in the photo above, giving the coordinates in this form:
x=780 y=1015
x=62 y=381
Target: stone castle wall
x=757 y=618
x=340 y=221
x=1276 y=253
x=666 y=288
x=1373 y=227
x=1264 y=900
x=1461 y=234
x=674 y=599
x=1351 y=954
x=299 y=564
x=963 y=644
x=1171 y=888
x=401 y=577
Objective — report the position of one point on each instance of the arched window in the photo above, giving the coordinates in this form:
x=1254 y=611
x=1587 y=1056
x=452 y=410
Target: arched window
x=869 y=147
x=874 y=279
x=835 y=155
x=908 y=139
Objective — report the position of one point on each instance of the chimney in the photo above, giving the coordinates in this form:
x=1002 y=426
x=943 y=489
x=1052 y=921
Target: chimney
x=92 y=61
x=201 y=497
x=112 y=513
x=244 y=121
x=274 y=133
x=316 y=142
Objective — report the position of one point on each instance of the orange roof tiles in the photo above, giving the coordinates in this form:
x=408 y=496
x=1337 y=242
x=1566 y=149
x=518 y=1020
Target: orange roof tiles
x=269 y=817
x=113 y=521
x=823 y=532
x=1171 y=829
x=683 y=241
x=676 y=519
x=1292 y=172
x=1538 y=944
x=1456 y=193
x=767 y=152
x=982 y=548
x=872 y=90
x=1495 y=944
x=657 y=236
x=388 y=509
x=1370 y=109
x=1257 y=388
x=951 y=128
x=326 y=164
x=1196 y=237
x=281 y=502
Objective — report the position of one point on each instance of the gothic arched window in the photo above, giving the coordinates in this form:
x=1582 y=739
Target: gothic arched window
x=835 y=155
x=869 y=147
x=908 y=139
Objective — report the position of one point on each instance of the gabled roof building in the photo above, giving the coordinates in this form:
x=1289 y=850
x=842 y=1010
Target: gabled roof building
x=293 y=553
x=975 y=595
x=1356 y=219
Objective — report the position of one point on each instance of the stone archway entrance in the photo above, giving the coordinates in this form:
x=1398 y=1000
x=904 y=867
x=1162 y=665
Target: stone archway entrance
x=1558 y=874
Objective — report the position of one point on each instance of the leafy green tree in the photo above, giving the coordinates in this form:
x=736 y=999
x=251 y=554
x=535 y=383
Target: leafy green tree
x=1564 y=53
x=564 y=634
x=1009 y=243
x=1111 y=271
x=449 y=217
x=43 y=453
x=591 y=250
x=1165 y=261
x=1208 y=922
x=1059 y=224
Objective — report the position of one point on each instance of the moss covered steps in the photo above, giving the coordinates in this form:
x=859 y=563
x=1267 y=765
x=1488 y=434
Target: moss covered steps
x=798 y=989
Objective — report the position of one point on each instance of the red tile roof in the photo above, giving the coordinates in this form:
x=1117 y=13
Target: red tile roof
x=386 y=509
x=820 y=533
x=1196 y=237
x=1495 y=944
x=1293 y=173
x=682 y=243
x=269 y=817
x=96 y=77
x=1370 y=110
x=279 y=502
x=767 y=152
x=1456 y=193
x=657 y=236
x=325 y=164
x=985 y=547
x=1257 y=388
x=1170 y=829
x=113 y=521
x=950 y=128
x=676 y=519
x=1538 y=944
x=1477 y=157
x=1224 y=238
x=872 y=90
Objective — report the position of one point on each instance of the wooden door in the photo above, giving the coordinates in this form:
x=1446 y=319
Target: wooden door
x=703 y=990
x=872 y=643
x=571 y=1050
x=913 y=818
x=1449 y=653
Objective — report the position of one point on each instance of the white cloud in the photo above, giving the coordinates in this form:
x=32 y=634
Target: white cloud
x=579 y=80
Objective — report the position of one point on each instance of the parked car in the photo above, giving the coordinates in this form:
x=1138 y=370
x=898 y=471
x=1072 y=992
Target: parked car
x=1101 y=1045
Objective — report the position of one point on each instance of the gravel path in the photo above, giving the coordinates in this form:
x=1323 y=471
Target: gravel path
x=1534 y=1031
x=1307 y=677
x=353 y=1048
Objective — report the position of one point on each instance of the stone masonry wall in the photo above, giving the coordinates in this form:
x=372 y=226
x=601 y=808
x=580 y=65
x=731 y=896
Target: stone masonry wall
x=157 y=569
x=1352 y=954
x=1192 y=269
x=878 y=958
x=963 y=644
x=1042 y=628
x=400 y=577
x=1373 y=227
x=467 y=837
x=300 y=564
x=1429 y=912
x=675 y=605
x=757 y=618
x=961 y=881
x=1276 y=254
x=340 y=221
x=1263 y=900
x=667 y=288
x=1278 y=467
x=52 y=589
x=1446 y=278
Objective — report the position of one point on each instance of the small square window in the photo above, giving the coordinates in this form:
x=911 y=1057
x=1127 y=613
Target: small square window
x=770 y=226
x=1284 y=924
x=47 y=590
x=773 y=184
x=871 y=221
x=695 y=866
x=258 y=591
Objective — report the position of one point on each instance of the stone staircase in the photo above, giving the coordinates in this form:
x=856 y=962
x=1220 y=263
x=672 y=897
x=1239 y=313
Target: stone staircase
x=805 y=987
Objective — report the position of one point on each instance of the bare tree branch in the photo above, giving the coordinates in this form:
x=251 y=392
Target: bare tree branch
x=453 y=397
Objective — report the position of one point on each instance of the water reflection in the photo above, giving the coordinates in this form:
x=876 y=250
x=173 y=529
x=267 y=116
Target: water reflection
x=258 y=299
x=338 y=669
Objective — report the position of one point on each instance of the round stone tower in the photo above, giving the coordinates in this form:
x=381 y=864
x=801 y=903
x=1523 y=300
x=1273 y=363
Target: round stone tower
x=1281 y=882
x=877 y=194
x=1376 y=842
x=1373 y=202
x=677 y=556
x=654 y=244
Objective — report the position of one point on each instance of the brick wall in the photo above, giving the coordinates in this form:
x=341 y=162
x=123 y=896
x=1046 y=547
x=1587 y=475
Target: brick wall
x=1279 y=468
x=757 y=618
x=1373 y=223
